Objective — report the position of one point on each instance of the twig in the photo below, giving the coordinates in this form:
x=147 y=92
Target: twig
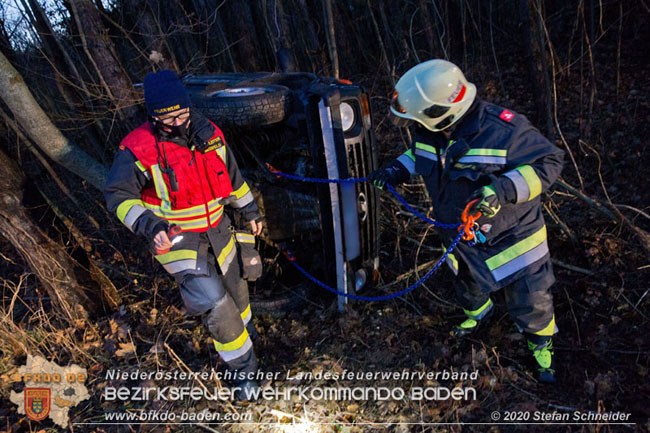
x=415 y=53
x=575 y=319
x=571 y=267
x=592 y=202
x=641 y=298
x=208 y=428
x=640 y=212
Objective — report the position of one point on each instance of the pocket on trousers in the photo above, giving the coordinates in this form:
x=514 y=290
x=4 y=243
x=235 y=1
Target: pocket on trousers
x=248 y=256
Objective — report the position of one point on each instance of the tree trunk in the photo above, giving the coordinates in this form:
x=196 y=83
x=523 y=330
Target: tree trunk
x=151 y=34
x=331 y=37
x=242 y=32
x=47 y=260
x=40 y=129
x=314 y=53
x=99 y=49
x=533 y=54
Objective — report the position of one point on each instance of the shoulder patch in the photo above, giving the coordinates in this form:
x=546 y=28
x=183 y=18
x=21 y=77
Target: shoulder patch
x=213 y=144
x=506 y=115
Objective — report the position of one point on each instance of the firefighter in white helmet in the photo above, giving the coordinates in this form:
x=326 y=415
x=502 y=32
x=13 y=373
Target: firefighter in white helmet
x=466 y=149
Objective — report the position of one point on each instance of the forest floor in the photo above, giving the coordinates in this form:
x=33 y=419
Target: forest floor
x=602 y=350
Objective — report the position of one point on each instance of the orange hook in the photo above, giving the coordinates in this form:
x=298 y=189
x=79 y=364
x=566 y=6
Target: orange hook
x=468 y=221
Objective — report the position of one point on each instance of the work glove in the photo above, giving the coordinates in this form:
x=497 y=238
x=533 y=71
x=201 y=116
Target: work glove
x=379 y=178
x=488 y=204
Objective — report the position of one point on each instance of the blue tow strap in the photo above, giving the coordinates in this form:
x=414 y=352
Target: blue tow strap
x=390 y=188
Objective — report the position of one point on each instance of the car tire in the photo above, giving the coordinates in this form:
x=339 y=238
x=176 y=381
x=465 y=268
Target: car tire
x=245 y=106
x=280 y=305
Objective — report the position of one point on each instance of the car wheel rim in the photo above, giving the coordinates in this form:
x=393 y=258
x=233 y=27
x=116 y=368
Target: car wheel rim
x=234 y=92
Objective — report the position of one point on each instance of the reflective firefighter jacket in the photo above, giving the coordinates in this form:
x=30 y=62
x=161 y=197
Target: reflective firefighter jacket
x=155 y=183
x=491 y=145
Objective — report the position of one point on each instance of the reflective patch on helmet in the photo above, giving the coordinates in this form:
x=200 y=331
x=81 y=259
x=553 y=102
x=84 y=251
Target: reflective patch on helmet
x=506 y=115
x=458 y=93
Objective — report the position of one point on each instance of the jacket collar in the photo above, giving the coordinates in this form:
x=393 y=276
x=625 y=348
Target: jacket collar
x=471 y=121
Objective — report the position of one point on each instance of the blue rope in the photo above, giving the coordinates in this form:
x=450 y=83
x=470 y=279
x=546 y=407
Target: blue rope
x=364 y=179
x=405 y=204
x=378 y=298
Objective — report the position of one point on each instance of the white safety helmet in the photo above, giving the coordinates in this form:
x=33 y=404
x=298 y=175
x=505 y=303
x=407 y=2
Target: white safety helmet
x=435 y=94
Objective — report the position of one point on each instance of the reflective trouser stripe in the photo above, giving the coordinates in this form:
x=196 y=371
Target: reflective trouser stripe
x=451 y=261
x=235 y=348
x=527 y=183
x=178 y=261
x=246 y=315
x=245 y=237
x=226 y=255
x=480 y=312
x=518 y=256
x=129 y=211
x=549 y=330
x=408 y=161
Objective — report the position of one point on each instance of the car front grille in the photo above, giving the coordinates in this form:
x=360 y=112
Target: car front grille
x=360 y=164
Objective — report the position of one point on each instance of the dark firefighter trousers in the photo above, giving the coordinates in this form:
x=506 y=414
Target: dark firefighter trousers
x=528 y=300
x=226 y=297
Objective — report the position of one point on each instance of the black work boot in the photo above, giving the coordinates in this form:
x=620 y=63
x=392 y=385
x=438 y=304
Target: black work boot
x=248 y=390
x=470 y=325
x=252 y=332
x=542 y=348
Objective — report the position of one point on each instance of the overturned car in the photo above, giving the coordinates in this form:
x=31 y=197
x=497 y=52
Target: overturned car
x=309 y=126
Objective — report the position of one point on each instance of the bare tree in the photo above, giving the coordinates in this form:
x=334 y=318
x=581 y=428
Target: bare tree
x=40 y=129
x=100 y=52
x=331 y=38
x=47 y=260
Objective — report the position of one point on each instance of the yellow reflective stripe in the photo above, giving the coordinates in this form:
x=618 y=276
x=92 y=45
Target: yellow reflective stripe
x=140 y=166
x=161 y=188
x=197 y=211
x=246 y=312
x=226 y=251
x=221 y=151
x=517 y=249
x=237 y=343
x=487 y=152
x=241 y=191
x=124 y=208
x=425 y=147
x=245 y=237
x=174 y=256
x=452 y=261
x=479 y=312
x=531 y=178
x=409 y=154
x=548 y=330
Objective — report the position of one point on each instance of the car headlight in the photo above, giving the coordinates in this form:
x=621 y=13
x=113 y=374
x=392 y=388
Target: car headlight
x=347 y=116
